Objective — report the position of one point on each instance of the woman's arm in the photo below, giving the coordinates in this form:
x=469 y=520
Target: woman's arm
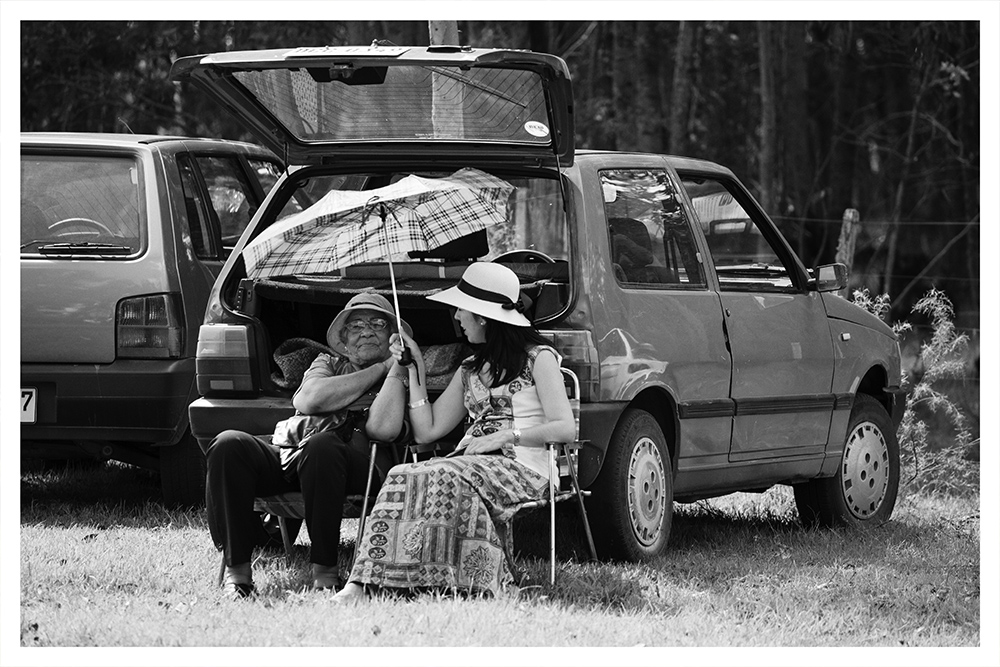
x=385 y=416
x=430 y=421
x=559 y=425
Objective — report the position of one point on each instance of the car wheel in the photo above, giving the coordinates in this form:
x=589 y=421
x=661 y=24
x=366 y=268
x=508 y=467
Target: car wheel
x=634 y=491
x=182 y=473
x=863 y=492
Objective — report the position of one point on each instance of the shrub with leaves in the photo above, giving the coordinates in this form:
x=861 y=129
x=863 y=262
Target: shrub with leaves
x=935 y=466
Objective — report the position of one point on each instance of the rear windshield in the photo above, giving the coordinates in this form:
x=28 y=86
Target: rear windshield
x=402 y=103
x=532 y=221
x=80 y=205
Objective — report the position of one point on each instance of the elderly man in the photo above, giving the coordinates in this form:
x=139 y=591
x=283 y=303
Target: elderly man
x=326 y=465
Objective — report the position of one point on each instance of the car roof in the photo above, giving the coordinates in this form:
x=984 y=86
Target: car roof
x=113 y=139
x=678 y=162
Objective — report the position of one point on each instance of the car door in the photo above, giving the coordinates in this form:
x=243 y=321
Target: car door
x=666 y=327
x=777 y=331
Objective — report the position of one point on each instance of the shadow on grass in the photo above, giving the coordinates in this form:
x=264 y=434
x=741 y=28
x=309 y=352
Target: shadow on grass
x=95 y=493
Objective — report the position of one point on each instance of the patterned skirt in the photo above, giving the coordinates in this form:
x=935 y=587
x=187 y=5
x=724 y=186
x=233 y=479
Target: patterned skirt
x=443 y=523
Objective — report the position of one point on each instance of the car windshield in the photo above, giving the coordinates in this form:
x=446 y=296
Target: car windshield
x=404 y=103
x=80 y=205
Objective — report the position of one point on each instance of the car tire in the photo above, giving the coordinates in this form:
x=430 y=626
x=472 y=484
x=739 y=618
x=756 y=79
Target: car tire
x=863 y=491
x=633 y=495
x=182 y=473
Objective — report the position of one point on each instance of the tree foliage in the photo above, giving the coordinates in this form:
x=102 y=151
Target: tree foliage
x=816 y=116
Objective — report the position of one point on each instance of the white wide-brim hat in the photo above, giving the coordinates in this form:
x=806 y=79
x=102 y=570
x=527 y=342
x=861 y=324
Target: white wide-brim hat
x=490 y=290
x=364 y=301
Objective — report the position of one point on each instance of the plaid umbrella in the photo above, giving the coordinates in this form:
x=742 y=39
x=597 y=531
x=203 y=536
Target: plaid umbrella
x=349 y=227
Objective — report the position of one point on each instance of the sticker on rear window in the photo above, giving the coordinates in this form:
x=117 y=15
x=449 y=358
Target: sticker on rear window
x=536 y=129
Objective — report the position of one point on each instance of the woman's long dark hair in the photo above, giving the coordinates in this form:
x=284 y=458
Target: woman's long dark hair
x=506 y=350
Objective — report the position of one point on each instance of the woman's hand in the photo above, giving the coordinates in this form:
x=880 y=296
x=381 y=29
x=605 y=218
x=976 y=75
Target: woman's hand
x=396 y=347
x=491 y=442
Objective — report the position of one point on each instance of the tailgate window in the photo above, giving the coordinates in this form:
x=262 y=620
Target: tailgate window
x=404 y=103
x=75 y=204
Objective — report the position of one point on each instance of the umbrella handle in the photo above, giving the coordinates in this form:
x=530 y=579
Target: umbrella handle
x=406 y=358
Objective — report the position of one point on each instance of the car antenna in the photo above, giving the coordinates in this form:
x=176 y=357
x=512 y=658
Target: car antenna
x=122 y=121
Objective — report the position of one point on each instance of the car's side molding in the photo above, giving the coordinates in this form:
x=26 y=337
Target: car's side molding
x=767 y=405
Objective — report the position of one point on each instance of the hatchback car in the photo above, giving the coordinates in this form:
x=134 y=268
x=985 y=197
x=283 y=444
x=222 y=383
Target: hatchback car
x=122 y=237
x=710 y=359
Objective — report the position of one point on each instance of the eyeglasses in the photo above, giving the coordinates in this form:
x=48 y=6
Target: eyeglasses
x=375 y=324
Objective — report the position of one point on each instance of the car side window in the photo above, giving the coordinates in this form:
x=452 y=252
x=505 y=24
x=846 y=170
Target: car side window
x=230 y=193
x=744 y=258
x=267 y=173
x=196 y=211
x=652 y=244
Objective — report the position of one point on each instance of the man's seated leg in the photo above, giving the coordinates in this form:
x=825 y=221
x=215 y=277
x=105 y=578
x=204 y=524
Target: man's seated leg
x=329 y=470
x=240 y=467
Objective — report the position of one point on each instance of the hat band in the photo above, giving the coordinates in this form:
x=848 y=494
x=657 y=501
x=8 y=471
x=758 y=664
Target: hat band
x=492 y=297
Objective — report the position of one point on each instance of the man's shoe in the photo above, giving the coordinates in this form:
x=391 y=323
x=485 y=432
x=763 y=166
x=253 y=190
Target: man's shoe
x=237 y=591
x=326 y=577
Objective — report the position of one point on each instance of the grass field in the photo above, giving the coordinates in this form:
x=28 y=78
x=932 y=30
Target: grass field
x=117 y=570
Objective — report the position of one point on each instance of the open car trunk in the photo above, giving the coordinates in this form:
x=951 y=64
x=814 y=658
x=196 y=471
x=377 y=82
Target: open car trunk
x=303 y=307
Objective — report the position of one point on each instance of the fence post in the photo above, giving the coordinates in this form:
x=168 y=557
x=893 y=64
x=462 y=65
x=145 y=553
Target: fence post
x=849 y=228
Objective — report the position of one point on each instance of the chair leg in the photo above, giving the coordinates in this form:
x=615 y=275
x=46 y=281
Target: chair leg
x=553 y=478
x=286 y=538
x=222 y=568
x=364 y=501
x=583 y=511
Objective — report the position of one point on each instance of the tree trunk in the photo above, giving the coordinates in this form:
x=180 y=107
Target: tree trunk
x=623 y=86
x=768 y=123
x=794 y=115
x=649 y=122
x=443 y=33
x=897 y=207
x=680 y=96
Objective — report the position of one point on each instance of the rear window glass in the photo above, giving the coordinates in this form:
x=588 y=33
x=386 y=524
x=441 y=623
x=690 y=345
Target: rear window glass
x=535 y=220
x=403 y=103
x=80 y=200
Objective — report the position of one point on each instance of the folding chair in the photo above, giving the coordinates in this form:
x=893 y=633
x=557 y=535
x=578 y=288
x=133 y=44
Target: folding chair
x=564 y=482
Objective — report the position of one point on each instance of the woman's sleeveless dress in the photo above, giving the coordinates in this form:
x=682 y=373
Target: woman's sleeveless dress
x=442 y=523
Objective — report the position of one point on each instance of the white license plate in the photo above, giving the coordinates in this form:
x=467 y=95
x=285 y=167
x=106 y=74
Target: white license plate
x=29 y=400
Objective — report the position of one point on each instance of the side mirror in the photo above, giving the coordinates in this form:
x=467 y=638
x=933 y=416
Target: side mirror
x=830 y=278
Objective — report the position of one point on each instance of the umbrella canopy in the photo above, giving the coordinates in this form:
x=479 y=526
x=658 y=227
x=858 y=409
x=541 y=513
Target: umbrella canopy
x=346 y=227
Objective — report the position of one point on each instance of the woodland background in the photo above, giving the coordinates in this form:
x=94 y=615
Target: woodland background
x=815 y=116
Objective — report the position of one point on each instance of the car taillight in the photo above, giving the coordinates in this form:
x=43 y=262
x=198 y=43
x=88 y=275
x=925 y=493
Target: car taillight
x=223 y=359
x=150 y=327
x=580 y=356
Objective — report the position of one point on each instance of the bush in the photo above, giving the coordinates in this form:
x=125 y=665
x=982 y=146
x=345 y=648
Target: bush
x=935 y=456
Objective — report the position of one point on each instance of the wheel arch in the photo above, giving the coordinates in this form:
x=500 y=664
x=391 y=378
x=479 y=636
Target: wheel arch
x=874 y=384
x=660 y=404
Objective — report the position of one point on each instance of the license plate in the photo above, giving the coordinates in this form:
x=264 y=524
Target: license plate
x=29 y=399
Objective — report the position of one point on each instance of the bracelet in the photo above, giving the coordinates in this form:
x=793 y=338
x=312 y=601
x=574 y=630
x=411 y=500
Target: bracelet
x=417 y=404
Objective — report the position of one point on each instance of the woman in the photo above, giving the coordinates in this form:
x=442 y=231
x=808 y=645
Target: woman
x=434 y=524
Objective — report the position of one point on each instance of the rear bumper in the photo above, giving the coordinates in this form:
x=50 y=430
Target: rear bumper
x=136 y=400
x=211 y=416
